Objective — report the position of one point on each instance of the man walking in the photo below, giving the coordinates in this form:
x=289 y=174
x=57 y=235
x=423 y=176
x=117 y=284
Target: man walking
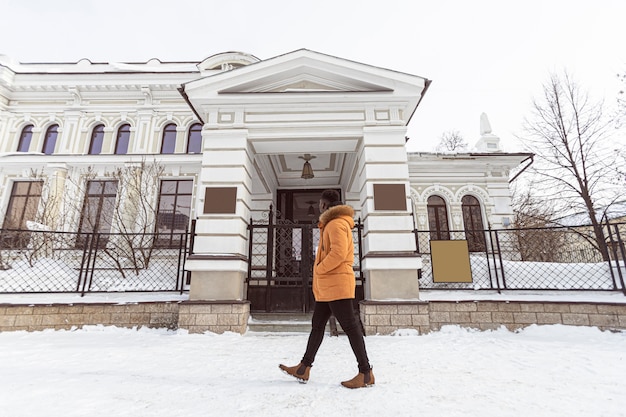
x=333 y=289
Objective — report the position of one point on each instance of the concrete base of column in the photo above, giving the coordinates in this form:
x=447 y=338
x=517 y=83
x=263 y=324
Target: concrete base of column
x=216 y=285
x=392 y=284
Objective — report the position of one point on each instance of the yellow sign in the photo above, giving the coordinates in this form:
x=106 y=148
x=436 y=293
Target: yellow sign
x=450 y=260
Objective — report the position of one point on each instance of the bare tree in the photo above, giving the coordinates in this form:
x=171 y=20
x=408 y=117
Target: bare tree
x=570 y=137
x=531 y=211
x=451 y=141
x=621 y=100
x=534 y=240
x=620 y=167
x=121 y=222
x=135 y=214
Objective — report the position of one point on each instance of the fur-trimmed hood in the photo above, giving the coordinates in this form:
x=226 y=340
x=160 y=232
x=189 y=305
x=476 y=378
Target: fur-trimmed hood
x=342 y=211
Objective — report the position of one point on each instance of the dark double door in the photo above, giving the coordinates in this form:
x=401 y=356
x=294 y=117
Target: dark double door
x=282 y=254
x=282 y=281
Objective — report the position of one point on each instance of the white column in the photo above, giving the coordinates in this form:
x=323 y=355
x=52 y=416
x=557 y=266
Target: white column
x=55 y=216
x=69 y=134
x=219 y=260
x=390 y=261
x=7 y=143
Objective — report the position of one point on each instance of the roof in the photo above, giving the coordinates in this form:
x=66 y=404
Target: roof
x=614 y=211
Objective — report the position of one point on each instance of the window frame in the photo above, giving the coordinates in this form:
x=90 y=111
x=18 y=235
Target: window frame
x=169 y=134
x=125 y=128
x=438 y=214
x=26 y=130
x=167 y=238
x=97 y=130
x=196 y=127
x=473 y=223
x=18 y=237
x=97 y=227
x=49 y=139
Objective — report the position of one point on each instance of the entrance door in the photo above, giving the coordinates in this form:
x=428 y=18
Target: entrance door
x=282 y=252
x=296 y=237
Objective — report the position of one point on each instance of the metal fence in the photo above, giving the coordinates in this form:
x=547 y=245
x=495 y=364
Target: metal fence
x=555 y=258
x=36 y=261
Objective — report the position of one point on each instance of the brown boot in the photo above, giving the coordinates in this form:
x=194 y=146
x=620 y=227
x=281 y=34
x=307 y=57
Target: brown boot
x=300 y=371
x=361 y=380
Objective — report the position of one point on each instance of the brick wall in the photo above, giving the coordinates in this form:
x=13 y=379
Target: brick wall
x=386 y=317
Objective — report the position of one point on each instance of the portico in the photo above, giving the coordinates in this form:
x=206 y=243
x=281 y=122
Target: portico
x=259 y=119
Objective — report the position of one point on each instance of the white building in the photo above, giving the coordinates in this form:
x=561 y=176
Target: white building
x=231 y=134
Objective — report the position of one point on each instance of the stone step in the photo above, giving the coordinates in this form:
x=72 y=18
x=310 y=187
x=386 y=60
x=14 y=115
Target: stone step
x=282 y=322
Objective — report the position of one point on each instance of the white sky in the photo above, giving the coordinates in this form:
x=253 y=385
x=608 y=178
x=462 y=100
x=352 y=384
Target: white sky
x=487 y=56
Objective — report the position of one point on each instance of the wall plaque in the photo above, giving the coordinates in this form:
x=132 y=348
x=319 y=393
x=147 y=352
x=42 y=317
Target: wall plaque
x=220 y=200
x=389 y=197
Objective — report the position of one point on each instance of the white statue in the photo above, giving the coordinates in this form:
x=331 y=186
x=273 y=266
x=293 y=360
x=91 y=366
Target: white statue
x=485 y=127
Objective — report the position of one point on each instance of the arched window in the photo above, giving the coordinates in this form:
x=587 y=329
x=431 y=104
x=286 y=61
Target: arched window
x=50 y=141
x=169 y=139
x=438 y=218
x=123 y=138
x=97 y=137
x=25 y=138
x=194 y=139
x=473 y=223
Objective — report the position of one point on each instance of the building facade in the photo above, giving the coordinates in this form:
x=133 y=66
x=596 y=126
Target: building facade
x=229 y=137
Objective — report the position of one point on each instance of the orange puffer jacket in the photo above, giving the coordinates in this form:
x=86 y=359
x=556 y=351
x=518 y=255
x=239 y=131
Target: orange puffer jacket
x=333 y=276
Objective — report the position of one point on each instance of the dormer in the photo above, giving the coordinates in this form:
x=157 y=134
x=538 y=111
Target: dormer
x=226 y=61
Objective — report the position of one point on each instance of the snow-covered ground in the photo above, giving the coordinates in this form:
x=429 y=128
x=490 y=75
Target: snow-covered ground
x=107 y=371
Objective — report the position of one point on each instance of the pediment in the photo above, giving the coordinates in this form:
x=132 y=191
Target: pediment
x=304 y=79
x=305 y=71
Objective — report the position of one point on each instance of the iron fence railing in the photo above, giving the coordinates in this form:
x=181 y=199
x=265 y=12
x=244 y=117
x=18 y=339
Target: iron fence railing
x=556 y=258
x=550 y=258
x=265 y=236
x=39 y=261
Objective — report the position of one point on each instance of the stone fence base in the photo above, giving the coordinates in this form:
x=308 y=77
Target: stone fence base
x=380 y=317
x=377 y=317
x=197 y=317
x=68 y=316
x=214 y=316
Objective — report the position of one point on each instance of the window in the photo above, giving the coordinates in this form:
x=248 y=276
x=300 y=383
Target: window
x=194 y=140
x=174 y=211
x=25 y=138
x=473 y=223
x=169 y=139
x=438 y=218
x=98 y=207
x=123 y=138
x=97 y=137
x=23 y=206
x=50 y=141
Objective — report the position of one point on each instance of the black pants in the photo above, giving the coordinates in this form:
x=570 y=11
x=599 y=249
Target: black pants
x=344 y=312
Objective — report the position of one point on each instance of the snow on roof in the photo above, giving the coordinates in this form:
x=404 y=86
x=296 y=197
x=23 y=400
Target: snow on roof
x=614 y=211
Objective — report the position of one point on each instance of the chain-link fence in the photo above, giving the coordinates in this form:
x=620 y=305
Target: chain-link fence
x=555 y=258
x=36 y=261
